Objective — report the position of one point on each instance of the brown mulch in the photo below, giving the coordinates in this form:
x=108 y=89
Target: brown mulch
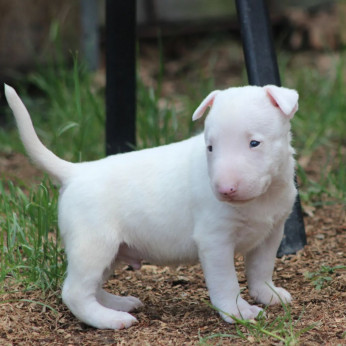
x=176 y=310
x=17 y=168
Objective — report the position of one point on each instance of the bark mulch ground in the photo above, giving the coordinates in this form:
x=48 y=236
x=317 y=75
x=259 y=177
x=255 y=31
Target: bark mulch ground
x=176 y=310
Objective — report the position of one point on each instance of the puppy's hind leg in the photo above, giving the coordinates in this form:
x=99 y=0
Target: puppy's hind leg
x=114 y=302
x=88 y=260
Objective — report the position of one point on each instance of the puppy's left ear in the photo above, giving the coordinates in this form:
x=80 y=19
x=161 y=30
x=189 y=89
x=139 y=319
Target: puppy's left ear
x=285 y=99
x=207 y=102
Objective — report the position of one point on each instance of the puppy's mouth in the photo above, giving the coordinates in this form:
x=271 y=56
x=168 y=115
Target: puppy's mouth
x=236 y=200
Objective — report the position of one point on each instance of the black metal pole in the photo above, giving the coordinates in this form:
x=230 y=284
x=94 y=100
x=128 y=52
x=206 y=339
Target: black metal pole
x=120 y=75
x=262 y=69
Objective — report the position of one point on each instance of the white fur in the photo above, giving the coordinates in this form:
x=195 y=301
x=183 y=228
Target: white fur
x=179 y=203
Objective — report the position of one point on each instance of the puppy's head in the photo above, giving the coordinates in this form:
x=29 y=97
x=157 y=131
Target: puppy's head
x=247 y=139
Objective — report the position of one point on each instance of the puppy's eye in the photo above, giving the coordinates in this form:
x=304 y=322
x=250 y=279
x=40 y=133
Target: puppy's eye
x=254 y=144
x=210 y=148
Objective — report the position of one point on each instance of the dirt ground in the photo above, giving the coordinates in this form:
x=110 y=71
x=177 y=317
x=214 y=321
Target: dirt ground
x=175 y=311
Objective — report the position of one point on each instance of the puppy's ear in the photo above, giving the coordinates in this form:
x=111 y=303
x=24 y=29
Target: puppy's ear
x=207 y=102
x=285 y=99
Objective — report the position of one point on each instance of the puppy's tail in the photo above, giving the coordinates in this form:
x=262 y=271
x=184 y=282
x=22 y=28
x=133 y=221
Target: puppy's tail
x=41 y=156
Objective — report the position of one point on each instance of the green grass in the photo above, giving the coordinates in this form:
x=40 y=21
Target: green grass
x=320 y=125
x=68 y=114
x=30 y=251
x=321 y=120
x=324 y=276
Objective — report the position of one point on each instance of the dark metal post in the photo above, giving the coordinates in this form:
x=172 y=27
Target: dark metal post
x=262 y=69
x=120 y=75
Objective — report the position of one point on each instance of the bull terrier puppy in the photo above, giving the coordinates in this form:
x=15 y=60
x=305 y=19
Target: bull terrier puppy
x=226 y=191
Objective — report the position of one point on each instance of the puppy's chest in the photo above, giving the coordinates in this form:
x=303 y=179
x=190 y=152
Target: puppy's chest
x=251 y=229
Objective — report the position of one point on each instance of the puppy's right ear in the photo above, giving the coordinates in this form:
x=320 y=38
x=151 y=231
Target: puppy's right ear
x=207 y=102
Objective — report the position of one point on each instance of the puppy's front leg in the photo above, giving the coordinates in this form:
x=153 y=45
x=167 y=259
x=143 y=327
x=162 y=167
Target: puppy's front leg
x=259 y=264
x=217 y=258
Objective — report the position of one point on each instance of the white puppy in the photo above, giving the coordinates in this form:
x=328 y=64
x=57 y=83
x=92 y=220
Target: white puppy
x=205 y=198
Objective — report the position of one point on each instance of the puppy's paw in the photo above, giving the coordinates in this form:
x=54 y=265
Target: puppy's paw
x=111 y=301
x=131 y=303
x=124 y=321
x=103 y=318
x=241 y=310
x=270 y=295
